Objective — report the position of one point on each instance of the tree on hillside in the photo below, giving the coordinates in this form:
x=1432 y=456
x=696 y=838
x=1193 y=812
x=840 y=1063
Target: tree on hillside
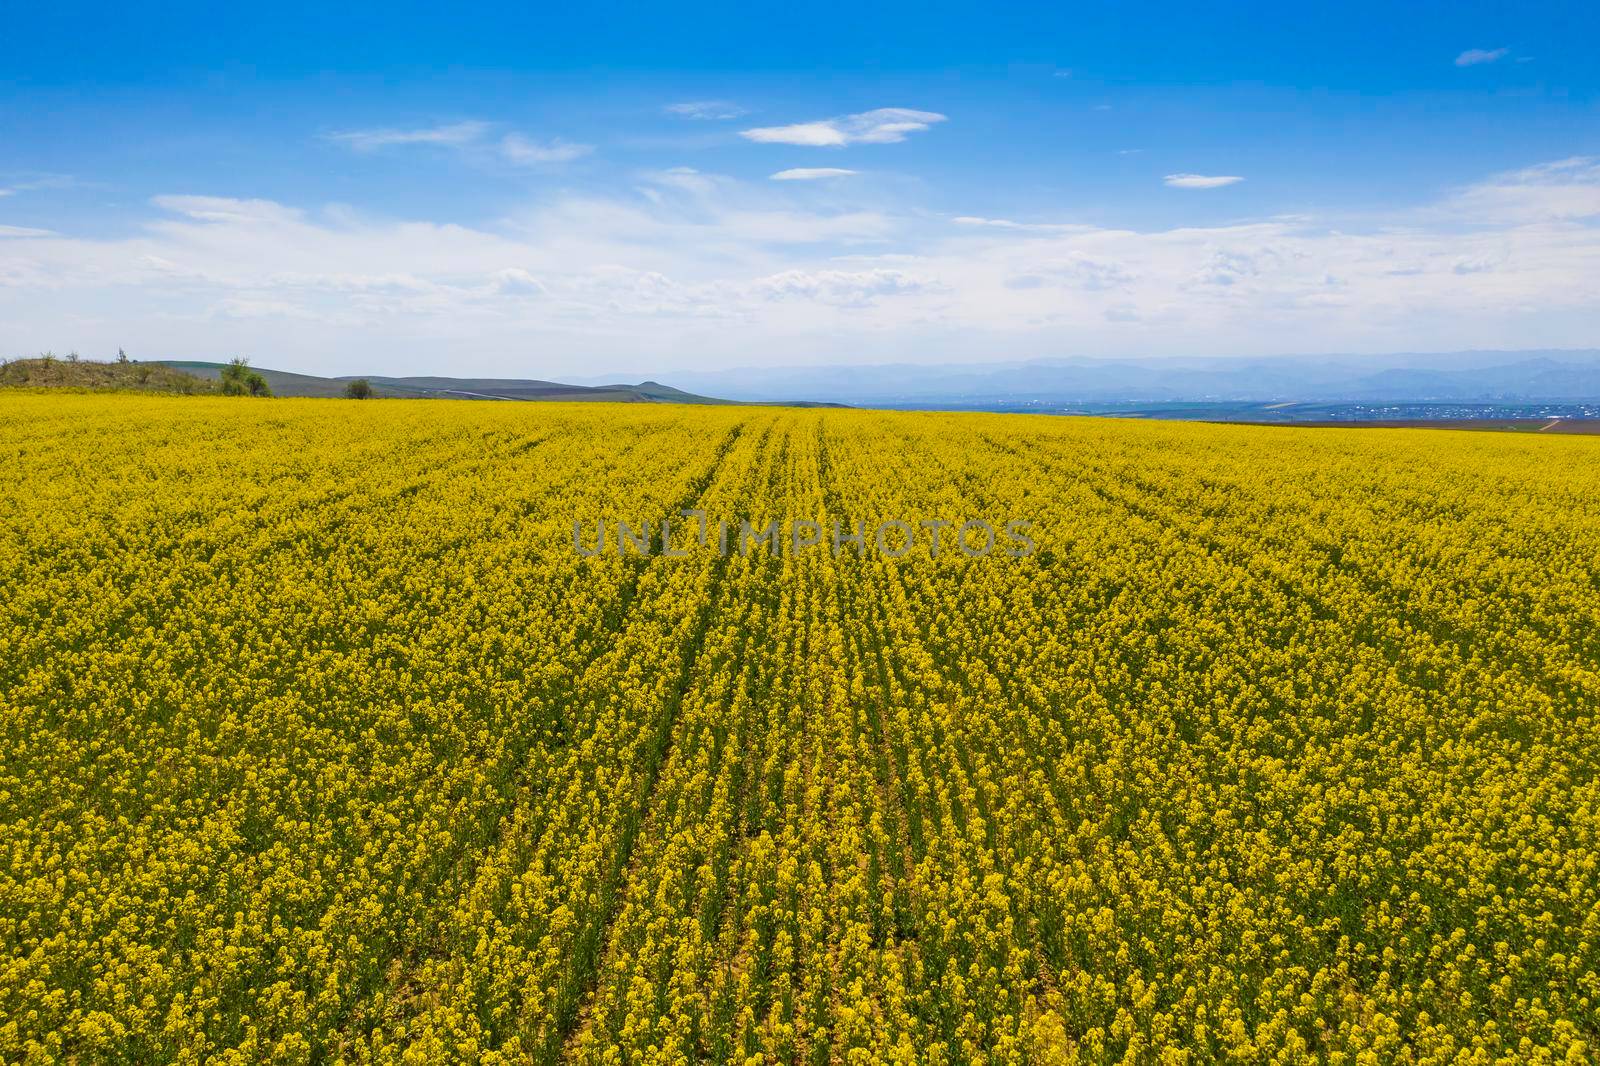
x=359 y=389
x=239 y=380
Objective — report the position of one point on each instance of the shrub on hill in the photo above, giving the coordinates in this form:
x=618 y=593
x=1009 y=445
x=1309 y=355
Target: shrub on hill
x=239 y=380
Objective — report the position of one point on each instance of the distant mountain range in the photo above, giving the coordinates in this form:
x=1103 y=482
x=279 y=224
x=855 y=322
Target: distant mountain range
x=284 y=383
x=1477 y=377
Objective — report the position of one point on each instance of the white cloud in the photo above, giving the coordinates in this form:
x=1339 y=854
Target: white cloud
x=811 y=134
x=706 y=110
x=885 y=125
x=516 y=148
x=453 y=135
x=24 y=231
x=1201 y=181
x=1474 y=56
x=811 y=173
x=841 y=288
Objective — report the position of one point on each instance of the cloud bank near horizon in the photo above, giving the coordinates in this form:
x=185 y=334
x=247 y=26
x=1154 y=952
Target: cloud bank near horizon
x=702 y=269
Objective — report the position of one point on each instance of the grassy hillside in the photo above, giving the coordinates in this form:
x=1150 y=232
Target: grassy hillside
x=52 y=373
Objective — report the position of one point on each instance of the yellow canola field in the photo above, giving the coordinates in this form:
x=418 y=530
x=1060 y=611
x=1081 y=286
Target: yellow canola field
x=322 y=743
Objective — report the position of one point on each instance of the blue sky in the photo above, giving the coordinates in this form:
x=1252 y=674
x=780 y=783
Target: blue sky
x=544 y=190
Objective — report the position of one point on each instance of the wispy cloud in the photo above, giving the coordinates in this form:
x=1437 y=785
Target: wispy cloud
x=1474 y=56
x=811 y=173
x=1201 y=181
x=706 y=110
x=1564 y=190
x=453 y=135
x=48 y=181
x=472 y=137
x=683 y=179
x=516 y=148
x=24 y=231
x=223 y=209
x=885 y=125
x=1010 y=224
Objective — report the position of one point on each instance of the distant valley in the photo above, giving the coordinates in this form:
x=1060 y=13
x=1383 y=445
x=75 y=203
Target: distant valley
x=1072 y=385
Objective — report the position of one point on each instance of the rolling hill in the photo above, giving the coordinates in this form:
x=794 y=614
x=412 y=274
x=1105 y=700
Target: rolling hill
x=285 y=383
